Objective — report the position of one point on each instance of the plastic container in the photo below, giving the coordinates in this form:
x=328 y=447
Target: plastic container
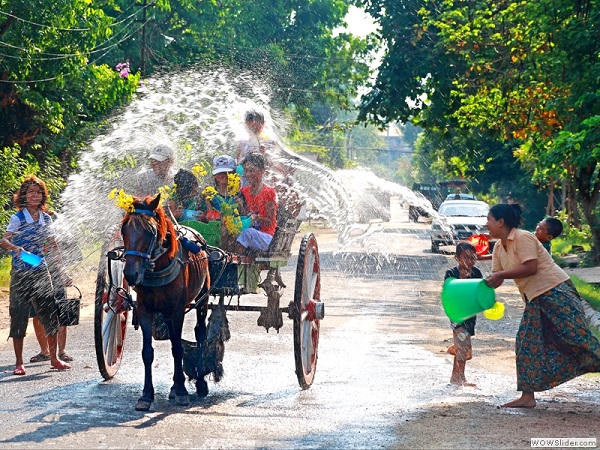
x=481 y=242
x=496 y=312
x=464 y=298
x=30 y=258
x=213 y=215
x=246 y=222
x=211 y=231
x=189 y=214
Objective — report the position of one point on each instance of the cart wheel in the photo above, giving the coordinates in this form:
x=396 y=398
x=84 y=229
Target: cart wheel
x=307 y=310
x=111 y=310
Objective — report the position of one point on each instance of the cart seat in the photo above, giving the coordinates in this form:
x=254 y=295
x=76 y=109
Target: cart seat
x=281 y=244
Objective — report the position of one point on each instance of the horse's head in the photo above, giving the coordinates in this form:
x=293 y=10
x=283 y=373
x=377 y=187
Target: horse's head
x=147 y=236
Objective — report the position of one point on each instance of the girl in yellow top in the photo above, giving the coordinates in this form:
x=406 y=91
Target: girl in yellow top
x=554 y=343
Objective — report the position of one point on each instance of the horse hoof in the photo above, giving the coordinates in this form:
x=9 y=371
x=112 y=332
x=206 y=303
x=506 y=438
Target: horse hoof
x=202 y=389
x=143 y=405
x=182 y=400
x=172 y=393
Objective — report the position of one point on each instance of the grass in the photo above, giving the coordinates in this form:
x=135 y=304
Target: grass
x=5 y=263
x=562 y=246
x=589 y=292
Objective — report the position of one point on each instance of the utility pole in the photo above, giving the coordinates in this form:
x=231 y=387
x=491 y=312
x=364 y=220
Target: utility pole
x=143 y=49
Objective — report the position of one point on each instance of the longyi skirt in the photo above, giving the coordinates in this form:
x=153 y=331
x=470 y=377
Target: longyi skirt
x=554 y=342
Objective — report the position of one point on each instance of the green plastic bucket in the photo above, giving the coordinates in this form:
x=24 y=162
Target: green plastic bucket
x=211 y=231
x=464 y=298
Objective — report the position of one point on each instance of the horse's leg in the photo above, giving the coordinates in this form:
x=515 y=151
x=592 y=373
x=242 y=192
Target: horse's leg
x=178 y=390
x=144 y=402
x=200 y=332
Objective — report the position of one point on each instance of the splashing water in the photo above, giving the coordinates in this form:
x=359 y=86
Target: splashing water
x=200 y=114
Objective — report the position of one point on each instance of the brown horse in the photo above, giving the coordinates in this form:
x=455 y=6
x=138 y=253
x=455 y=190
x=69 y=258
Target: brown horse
x=166 y=279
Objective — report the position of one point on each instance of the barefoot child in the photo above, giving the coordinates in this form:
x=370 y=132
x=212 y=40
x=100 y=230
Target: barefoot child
x=466 y=256
x=548 y=229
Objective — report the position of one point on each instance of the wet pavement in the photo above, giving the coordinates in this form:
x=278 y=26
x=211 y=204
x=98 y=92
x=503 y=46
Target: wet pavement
x=381 y=380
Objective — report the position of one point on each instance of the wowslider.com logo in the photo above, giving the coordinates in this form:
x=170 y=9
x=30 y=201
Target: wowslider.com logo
x=563 y=442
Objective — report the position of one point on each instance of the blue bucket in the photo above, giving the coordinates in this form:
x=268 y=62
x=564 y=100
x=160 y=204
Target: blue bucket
x=30 y=258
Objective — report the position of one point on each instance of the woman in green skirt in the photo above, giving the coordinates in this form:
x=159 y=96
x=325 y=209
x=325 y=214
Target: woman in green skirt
x=554 y=343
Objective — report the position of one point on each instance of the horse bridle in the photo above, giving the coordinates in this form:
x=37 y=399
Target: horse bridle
x=149 y=255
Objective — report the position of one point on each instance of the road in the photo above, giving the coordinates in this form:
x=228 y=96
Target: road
x=381 y=380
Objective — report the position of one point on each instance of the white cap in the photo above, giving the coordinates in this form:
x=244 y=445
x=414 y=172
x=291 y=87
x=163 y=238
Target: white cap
x=223 y=163
x=161 y=153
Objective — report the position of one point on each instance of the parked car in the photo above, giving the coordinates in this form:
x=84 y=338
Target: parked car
x=458 y=220
x=461 y=196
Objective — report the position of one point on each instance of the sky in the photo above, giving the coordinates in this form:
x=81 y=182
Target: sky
x=359 y=22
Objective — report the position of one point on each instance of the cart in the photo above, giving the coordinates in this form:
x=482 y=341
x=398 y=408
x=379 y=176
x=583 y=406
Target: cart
x=231 y=275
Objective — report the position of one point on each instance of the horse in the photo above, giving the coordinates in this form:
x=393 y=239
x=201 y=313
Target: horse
x=166 y=279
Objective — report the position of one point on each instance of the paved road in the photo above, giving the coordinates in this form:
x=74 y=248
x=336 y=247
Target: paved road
x=381 y=379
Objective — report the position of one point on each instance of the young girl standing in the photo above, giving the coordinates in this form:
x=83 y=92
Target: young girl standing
x=30 y=229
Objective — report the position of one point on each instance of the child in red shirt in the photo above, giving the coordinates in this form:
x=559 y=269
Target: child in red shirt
x=261 y=206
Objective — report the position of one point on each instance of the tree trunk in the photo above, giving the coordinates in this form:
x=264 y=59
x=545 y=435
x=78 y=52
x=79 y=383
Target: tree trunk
x=588 y=184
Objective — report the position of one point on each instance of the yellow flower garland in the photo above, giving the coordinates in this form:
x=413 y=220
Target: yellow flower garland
x=166 y=191
x=199 y=170
x=233 y=183
x=209 y=192
x=122 y=200
x=231 y=218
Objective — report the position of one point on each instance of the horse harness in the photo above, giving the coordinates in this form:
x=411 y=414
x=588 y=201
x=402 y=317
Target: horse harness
x=155 y=250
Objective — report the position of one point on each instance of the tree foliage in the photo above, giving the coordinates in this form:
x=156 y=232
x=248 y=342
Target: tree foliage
x=52 y=90
x=520 y=73
x=65 y=65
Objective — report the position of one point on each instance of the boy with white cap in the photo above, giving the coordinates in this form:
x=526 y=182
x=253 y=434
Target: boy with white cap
x=223 y=165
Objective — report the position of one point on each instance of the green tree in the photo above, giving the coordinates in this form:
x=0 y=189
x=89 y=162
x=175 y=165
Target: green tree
x=51 y=89
x=520 y=73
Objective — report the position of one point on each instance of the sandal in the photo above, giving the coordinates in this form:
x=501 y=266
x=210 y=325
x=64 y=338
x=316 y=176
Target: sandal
x=40 y=357
x=64 y=357
x=19 y=370
x=60 y=365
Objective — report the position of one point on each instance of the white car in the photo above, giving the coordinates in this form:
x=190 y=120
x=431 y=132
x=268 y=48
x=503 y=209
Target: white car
x=457 y=221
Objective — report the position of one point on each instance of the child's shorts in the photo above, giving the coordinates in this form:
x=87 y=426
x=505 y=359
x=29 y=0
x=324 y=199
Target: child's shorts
x=462 y=344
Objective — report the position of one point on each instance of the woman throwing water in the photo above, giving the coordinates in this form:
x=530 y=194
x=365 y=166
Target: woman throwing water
x=554 y=343
x=31 y=229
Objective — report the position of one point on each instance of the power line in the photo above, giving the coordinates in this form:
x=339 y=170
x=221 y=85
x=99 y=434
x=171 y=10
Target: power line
x=41 y=25
x=57 y=56
x=108 y=49
x=376 y=149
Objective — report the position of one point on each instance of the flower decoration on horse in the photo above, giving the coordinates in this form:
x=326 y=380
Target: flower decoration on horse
x=122 y=199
